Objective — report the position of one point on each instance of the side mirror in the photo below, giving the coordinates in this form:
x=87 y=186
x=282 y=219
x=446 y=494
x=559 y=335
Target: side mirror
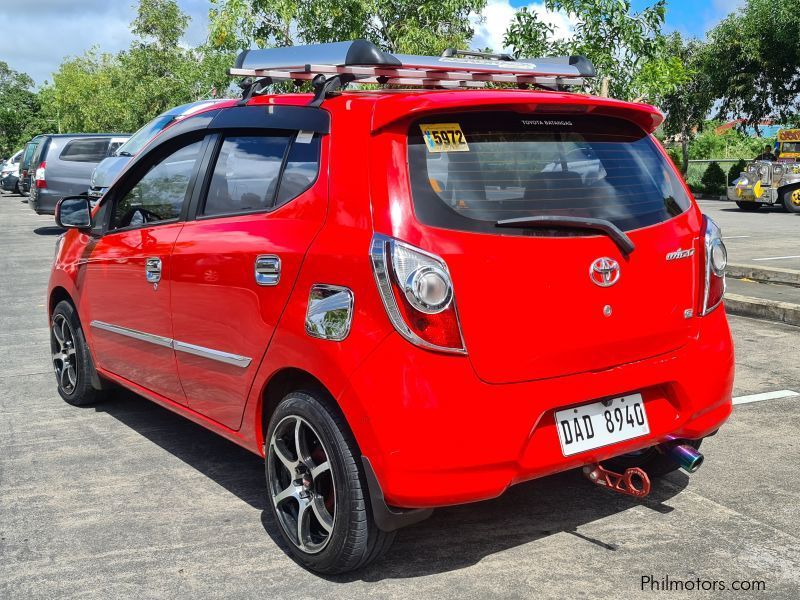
x=74 y=212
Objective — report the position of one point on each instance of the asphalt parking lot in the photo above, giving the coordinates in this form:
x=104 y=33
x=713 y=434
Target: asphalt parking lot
x=127 y=499
x=765 y=238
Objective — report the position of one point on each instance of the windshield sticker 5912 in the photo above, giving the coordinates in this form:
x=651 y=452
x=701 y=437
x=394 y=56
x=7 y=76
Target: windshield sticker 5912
x=444 y=137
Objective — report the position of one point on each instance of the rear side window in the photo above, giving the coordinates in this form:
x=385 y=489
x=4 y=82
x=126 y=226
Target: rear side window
x=470 y=170
x=257 y=173
x=302 y=165
x=85 y=150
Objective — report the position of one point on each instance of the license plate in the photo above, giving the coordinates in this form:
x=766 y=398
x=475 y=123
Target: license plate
x=601 y=423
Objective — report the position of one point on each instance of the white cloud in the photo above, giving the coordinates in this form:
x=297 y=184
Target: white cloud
x=36 y=40
x=497 y=16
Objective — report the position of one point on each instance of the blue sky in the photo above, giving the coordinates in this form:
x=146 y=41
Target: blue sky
x=74 y=26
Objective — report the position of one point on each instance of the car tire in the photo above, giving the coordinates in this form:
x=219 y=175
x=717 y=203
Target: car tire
x=17 y=189
x=72 y=360
x=791 y=200
x=748 y=206
x=313 y=463
x=650 y=460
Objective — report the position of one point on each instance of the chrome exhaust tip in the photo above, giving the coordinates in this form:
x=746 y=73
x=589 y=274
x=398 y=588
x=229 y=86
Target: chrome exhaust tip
x=685 y=456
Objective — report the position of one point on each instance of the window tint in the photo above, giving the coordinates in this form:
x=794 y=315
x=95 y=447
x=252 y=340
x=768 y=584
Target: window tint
x=85 y=150
x=246 y=174
x=479 y=168
x=301 y=169
x=159 y=195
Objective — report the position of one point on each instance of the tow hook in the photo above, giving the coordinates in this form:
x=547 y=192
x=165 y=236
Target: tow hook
x=633 y=482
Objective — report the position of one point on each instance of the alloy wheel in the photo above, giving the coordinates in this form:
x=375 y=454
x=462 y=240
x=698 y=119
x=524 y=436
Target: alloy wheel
x=301 y=484
x=795 y=197
x=65 y=361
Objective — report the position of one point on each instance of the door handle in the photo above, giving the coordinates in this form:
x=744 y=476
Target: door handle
x=152 y=269
x=268 y=269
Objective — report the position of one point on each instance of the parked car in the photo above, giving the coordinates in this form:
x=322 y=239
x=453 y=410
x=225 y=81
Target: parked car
x=288 y=273
x=25 y=169
x=64 y=165
x=106 y=172
x=9 y=174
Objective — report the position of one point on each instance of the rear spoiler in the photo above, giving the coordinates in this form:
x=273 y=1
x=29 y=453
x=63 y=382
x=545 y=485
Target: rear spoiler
x=392 y=109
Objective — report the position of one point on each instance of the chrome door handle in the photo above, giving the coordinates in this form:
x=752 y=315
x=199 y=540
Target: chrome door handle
x=152 y=269
x=268 y=269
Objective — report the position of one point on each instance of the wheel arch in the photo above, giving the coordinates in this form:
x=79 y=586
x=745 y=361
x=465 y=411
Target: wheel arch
x=58 y=294
x=283 y=381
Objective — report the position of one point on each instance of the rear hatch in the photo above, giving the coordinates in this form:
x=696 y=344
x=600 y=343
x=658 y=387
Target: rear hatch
x=537 y=299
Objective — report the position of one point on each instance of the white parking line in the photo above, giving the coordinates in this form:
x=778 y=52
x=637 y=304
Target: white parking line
x=778 y=257
x=735 y=237
x=765 y=396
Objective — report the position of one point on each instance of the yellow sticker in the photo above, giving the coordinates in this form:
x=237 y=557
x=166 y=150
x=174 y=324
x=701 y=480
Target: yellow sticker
x=444 y=137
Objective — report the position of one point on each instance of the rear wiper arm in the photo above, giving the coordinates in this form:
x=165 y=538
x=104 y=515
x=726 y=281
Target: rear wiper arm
x=622 y=241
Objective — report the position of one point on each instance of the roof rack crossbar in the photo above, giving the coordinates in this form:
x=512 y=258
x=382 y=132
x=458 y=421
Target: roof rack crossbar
x=362 y=61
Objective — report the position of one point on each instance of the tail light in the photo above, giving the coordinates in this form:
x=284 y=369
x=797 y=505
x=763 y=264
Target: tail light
x=41 y=182
x=417 y=292
x=715 y=259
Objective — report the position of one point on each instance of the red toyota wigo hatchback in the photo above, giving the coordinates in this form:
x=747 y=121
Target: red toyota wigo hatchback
x=405 y=298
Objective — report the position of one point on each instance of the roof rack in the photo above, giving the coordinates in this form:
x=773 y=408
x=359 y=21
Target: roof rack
x=340 y=63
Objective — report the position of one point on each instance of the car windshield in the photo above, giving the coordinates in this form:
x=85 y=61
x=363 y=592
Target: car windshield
x=790 y=147
x=139 y=139
x=471 y=170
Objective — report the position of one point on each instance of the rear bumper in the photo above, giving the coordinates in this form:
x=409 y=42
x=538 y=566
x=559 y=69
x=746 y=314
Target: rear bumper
x=437 y=435
x=43 y=202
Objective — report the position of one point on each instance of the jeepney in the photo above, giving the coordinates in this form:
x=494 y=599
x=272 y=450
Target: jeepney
x=765 y=183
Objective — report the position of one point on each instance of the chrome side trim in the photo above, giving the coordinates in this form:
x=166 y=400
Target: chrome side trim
x=218 y=355
x=209 y=353
x=132 y=333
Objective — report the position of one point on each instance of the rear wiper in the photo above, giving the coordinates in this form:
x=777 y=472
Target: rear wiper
x=622 y=241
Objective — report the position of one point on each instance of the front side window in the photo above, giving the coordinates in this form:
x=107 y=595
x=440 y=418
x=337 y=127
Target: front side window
x=471 y=170
x=91 y=150
x=160 y=194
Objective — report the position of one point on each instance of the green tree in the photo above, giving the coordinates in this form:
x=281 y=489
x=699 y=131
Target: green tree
x=527 y=36
x=120 y=92
x=406 y=26
x=18 y=107
x=753 y=61
x=687 y=105
x=713 y=180
x=626 y=47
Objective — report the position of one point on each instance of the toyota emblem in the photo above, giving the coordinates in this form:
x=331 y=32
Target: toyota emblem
x=604 y=271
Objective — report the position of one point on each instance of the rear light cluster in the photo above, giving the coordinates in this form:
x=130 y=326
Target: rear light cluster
x=715 y=259
x=417 y=291
x=41 y=182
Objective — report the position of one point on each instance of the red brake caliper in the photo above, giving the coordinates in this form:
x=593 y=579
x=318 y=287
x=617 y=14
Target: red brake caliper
x=624 y=483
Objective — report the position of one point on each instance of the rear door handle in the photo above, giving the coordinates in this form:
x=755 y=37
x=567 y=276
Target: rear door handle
x=152 y=269
x=268 y=269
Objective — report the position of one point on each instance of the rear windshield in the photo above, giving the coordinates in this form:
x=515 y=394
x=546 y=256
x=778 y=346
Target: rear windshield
x=470 y=170
x=91 y=150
